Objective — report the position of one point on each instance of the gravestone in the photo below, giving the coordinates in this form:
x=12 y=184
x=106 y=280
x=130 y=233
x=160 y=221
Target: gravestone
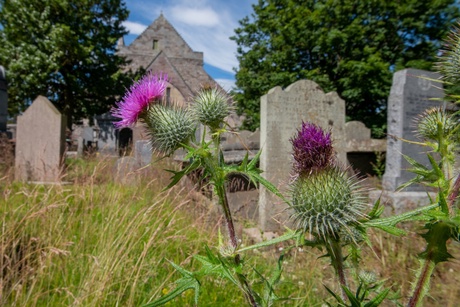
x=143 y=152
x=107 y=141
x=3 y=100
x=411 y=94
x=356 y=130
x=282 y=113
x=364 y=153
x=40 y=142
x=88 y=138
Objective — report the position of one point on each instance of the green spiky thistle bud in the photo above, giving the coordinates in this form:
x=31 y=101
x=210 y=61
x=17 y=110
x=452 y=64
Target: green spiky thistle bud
x=169 y=127
x=449 y=61
x=436 y=123
x=327 y=202
x=367 y=277
x=211 y=107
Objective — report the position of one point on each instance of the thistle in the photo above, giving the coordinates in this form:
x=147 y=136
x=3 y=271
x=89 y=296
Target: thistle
x=211 y=107
x=449 y=61
x=435 y=123
x=143 y=93
x=325 y=200
x=169 y=127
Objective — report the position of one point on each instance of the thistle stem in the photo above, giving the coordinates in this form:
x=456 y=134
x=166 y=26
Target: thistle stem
x=248 y=293
x=453 y=195
x=223 y=200
x=422 y=281
x=228 y=217
x=335 y=252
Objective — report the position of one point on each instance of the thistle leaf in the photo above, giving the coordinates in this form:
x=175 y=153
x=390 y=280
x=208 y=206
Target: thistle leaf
x=218 y=266
x=443 y=203
x=376 y=211
x=177 y=175
x=376 y=301
x=336 y=296
x=388 y=224
x=353 y=300
x=188 y=281
x=288 y=236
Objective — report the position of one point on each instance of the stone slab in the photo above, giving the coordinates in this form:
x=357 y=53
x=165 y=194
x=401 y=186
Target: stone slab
x=282 y=113
x=411 y=94
x=40 y=143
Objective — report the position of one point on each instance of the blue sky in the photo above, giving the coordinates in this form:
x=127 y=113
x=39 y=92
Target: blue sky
x=205 y=25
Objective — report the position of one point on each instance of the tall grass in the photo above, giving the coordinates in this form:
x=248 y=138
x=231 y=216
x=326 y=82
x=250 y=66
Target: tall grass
x=103 y=242
x=92 y=243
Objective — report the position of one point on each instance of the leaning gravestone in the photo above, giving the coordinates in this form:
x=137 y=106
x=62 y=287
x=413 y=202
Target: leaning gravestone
x=411 y=94
x=3 y=100
x=282 y=113
x=40 y=142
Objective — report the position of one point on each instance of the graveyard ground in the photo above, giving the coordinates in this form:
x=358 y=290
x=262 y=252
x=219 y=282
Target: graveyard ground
x=97 y=242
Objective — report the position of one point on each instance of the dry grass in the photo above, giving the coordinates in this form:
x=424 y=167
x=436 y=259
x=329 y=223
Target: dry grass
x=102 y=242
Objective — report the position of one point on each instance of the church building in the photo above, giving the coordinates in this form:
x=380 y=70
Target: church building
x=160 y=48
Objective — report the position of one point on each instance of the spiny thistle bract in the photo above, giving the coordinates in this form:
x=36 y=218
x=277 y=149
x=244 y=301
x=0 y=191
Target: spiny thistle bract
x=367 y=277
x=312 y=148
x=449 y=61
x=435 y=122
x=148 y=90
x=169 y=127
x=327 y=202
x=211 y=107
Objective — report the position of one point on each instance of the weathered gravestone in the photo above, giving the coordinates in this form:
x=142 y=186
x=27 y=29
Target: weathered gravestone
x=411 y=94
x=282 y=113
x=40 y=142
x=3 y=100
x=143 y=152
x=107 y=138
x=362 y=150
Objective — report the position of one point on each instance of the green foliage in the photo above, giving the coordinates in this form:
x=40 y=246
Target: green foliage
x=64 y=50
x=359 y=299
x=187 y=282
x=347 y=46
x=379 y=166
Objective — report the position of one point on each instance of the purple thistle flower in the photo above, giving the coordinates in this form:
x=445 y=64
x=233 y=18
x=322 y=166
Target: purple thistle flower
x=141 y=94
x=312 y=148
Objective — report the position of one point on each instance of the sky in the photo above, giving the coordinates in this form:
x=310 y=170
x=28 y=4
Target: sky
x=206 y=26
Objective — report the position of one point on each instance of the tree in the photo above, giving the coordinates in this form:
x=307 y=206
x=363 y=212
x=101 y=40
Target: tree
x=352 y=47
x=64 y=50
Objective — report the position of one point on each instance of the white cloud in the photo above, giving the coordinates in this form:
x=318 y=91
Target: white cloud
x=206 y=17
x=227 y=84
x=134 y=27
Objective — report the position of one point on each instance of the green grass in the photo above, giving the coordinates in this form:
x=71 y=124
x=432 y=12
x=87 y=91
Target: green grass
x=102 y=242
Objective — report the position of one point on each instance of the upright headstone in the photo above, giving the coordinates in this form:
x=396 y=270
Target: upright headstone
x=3 y=100
x=282 y=113
x=40 y=142
x=143 y=152
x=108 y=137
x=88 y=135
x=412 y=93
